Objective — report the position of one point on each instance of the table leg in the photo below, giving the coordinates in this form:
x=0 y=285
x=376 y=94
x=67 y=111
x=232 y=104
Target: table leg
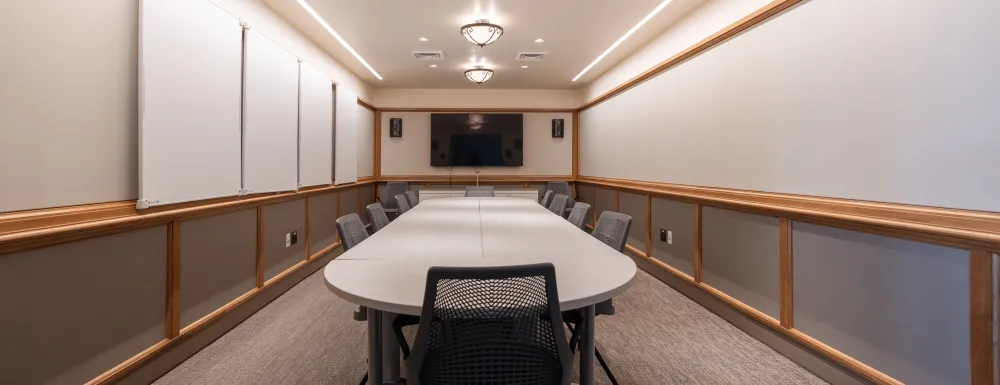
x=390 y=350
x=587 y=347
x=374 y=347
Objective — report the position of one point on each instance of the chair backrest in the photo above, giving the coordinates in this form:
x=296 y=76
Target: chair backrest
x=547 y=198
x=351 y=230
x=496 y=325
x=403 y=205
x=377 y=215
x=479 y=191
x=560 y=188
x=612 y=229
x=411 y=198
x=391 y=190
x=578 y=217
x=558 y=205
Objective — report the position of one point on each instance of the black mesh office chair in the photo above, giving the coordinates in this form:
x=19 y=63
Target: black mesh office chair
x=558 y=205
x=495 y=325
x=403 y=205
x=479 y=191
x=377 y=215
x=547 y=198
x=578 y=216
x=411 y=198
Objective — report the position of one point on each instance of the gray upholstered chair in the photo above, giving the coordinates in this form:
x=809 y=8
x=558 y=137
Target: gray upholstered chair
x=560 y=188
x=479 y=191
x=469 y=335
x=389 y=191
x=351 y=230
x=577 y=216
x=377 y=215
x=411 y=198
x=403 y=205
x=547 y=198
x=612 y=229
x=558 y=205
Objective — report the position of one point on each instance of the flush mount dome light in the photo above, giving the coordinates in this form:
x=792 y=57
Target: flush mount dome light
x=479 y=75
x=482 y=32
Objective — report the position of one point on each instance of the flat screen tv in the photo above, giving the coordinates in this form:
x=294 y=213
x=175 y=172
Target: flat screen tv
x=477 y=140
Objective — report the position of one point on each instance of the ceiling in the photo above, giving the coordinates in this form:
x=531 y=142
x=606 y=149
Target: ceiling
x=387 y=32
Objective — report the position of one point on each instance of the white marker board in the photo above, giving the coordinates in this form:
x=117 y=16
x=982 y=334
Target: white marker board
x=189 y=102
x=346 y=165
x=315 y=127
x=270 y=116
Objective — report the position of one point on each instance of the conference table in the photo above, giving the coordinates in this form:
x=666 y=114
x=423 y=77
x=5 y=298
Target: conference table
x=387 y=272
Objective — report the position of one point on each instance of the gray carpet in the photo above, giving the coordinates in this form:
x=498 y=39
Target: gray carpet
x=659 y=336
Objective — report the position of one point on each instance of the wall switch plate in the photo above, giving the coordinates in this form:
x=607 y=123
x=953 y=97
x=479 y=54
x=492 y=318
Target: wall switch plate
x=663 y=235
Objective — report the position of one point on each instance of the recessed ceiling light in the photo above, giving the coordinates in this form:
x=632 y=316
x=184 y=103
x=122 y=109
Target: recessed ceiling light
x=434 y=66
x=423 y=39
x=524 y=66
x=539 y=40
x=312 y=12
x=625 y=36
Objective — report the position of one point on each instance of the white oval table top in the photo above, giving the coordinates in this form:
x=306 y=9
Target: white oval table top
x=388 y=271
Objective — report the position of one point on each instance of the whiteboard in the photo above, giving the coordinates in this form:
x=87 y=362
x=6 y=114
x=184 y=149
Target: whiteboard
x=270 y=116
x=902 y=112
x=315 y=127
x=189 y=102
x=346 y=166
x=366 y=141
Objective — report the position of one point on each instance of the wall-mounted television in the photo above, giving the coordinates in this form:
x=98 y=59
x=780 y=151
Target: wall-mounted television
x=477 y=140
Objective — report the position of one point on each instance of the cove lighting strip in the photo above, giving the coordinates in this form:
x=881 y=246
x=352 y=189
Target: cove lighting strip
x=621 y=39
x=337 y=36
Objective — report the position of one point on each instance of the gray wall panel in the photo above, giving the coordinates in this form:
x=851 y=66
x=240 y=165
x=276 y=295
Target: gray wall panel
x=740 y=257
x=322 y=225
x=367 y=198
x=70 y=312
x=218 y=261
x=348 y=202
x=899 y=306
x=634 y=205
x=604 y=199
x=280 y=219
x=678 y=218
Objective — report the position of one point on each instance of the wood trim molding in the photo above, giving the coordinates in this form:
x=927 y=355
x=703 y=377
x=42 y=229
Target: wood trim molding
x=697 y=242
x=785 y=263
x=576 y=144
x=377 y=151
x=365 y=104
x=260 y=246
x=308 y=227
x=515 y=179
x=76 y=227
x=471 y=110
x=983 y=307
x=173 y=324
x=948 y=227
x=38 y=219
x=734 y=29
x=121 y=370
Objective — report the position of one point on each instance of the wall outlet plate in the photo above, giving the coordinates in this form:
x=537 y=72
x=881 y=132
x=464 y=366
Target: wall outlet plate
x=670 y=237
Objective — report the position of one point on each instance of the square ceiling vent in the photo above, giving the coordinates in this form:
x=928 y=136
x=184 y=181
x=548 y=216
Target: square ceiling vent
x=530 y=56
x=428 y=55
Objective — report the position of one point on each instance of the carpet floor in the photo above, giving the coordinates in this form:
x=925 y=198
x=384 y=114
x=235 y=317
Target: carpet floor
x=658 y=336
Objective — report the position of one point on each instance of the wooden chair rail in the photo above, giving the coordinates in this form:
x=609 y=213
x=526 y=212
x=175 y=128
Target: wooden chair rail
x=28 y=230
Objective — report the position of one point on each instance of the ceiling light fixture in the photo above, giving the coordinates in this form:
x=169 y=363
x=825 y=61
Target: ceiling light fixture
x=312 y=12
x=434 y=66
x=479 y=75
x=625 y=36
x=481 y=33
x=539 y=40
x=423 y=39
x=524 y=66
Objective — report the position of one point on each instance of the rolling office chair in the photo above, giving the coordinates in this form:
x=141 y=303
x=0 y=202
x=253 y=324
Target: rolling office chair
x=562 y=188
x=411 y=198
x=578 y=216
x=403 y=205
x=547 y=198
x=611 y=229
x=479 y=191
x=390 y=190
x=377 y=216
x=468 y=335
x=558 y=205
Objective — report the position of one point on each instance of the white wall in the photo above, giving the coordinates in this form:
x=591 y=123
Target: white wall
x=543 y=154
x=475 y=98
x=898 y=105
x=366 y=142
x=68 y=110
x=700 y=23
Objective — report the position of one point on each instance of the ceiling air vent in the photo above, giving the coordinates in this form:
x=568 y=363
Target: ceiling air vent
x=428 y=55
x=530 y=56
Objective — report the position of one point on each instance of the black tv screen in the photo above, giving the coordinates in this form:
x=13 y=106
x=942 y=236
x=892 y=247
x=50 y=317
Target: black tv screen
x=477 y=140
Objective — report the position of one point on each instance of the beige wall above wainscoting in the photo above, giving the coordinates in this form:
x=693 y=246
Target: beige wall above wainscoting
x=476 y=98
x=410 y=155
